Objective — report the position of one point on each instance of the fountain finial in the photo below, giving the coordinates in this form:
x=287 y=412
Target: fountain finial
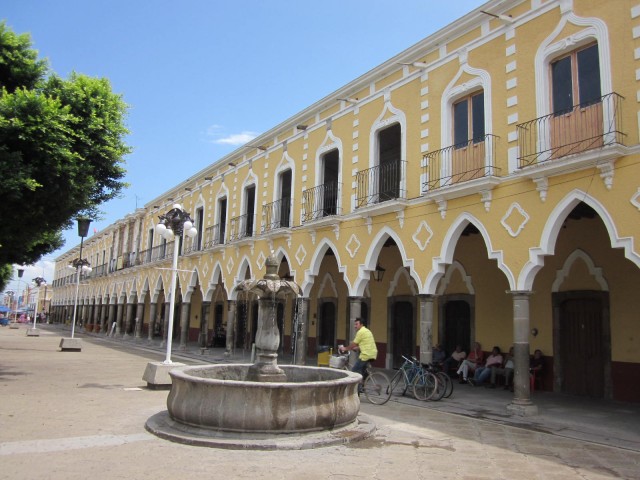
x=272 y=267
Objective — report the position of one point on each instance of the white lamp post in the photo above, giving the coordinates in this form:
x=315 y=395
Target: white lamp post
x=15 y=318
x=33 y=332
x=172 y=225
x=81 y=265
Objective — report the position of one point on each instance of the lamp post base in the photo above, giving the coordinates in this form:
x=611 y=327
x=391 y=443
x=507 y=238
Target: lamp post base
x=33 y=332
x=70 y=345
x=14 y=325
x=157 y=374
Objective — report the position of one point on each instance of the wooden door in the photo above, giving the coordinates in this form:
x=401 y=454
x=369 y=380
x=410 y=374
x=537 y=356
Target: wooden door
x=582 y=347
x=457 y=325
x=402 y=333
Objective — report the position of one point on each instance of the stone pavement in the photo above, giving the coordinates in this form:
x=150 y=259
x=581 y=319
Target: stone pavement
x=68 y=415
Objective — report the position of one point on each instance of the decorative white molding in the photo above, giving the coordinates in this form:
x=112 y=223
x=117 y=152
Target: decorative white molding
x=261 y=258
x=542 y=186
x=368 y=221
x=353 y=245
x=423 y=235
x=401 y=273
x=301 y=254
x=515 y=207
x=575 y=256
x=456 y=266
x=400 y=218
x=442 y=207
x=485 y=197
x=635 y=200
x=606 y=173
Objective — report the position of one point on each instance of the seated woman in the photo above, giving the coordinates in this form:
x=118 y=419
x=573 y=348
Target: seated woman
x=483 y=373
x=453 y=361
x=473 y=361
x=506 y=369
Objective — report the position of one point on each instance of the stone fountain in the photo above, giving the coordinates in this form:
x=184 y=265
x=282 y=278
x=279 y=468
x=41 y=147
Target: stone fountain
x=262 y=405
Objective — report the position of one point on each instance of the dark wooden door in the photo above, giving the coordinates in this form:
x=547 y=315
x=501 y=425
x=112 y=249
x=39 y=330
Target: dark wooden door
x=327 y=324
x=457 y=326
x=402 y=334
x=581 y=347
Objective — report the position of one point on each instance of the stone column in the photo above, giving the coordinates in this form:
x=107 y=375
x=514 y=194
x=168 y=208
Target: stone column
x=139 y=320
x=204 y=327
x=165 y=330
x=97 y=327
x=426 y=327
x=302 y=333
x=128 y=319
x=112 y=316
x=355 y=311
x=153 y=308
x=184 y=324
x=119 y=315
x=231 y=327
x=521 y=403
x=266 y=369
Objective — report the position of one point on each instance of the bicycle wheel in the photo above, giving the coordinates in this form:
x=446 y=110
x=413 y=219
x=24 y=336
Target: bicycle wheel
x=440 y=389
x=377 y=388
x=424 y=385
x=448 y=384
x=395 y=381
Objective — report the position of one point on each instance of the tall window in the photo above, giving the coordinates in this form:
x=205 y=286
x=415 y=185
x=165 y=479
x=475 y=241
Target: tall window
x=199 y=225
x=222 y=220
x=250 y=210
x=468 y=119
x=575 y=79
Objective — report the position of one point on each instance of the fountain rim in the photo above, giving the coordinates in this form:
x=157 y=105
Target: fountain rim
x=182 y=374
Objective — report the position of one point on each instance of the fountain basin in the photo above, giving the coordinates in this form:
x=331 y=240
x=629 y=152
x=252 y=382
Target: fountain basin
x=218 y=397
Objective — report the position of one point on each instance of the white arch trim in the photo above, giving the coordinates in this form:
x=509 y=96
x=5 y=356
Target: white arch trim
x=371 y=260
x=552 y=228
x=448 y=247
x=575 y=256
x=456 y=266
x=316 y=262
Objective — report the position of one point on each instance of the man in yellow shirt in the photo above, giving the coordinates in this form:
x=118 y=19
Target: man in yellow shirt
x=366 y=344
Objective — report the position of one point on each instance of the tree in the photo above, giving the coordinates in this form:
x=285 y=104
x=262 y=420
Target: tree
x=61 y=150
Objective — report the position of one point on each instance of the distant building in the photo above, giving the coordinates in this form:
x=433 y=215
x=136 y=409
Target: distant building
x=492 y=170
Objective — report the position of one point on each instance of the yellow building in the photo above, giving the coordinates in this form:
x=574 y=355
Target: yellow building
x=490 y=172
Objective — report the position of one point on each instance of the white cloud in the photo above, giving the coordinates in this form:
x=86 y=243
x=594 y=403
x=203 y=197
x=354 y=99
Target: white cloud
x=237 y=138
x=217 y=135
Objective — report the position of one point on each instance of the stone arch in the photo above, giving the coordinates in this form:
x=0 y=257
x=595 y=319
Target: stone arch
x=451 y=269
x=552 y=228
x=401 y=273
x=243 y=268
x=448 y=247
x=316 y=262
x=579 y=255
x=214 y=280
x=371 y=259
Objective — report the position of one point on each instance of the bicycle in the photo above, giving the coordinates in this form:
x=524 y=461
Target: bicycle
x=426 y=386
x=375 y=386
x=406 y=374
x=443 y=378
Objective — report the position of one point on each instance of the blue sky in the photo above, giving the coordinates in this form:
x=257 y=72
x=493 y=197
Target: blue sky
x=204 y=77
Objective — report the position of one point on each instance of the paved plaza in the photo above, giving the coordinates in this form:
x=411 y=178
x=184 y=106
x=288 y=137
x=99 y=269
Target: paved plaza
x=68 y=415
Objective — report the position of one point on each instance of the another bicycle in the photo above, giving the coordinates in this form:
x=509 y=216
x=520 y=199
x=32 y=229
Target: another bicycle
x=405 y=374
x=376 y=386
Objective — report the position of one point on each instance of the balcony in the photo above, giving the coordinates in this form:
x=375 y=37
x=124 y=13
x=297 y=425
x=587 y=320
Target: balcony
x=460 y=163
x=191 y=245
x=594 y=125
x=213 y=236
x=321 y=202
x=381 y=183
x=276 y=215
x=241 y=227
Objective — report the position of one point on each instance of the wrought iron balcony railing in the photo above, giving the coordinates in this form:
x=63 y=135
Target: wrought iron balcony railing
x=381 y=183
x=321 y=201
x=241 y=227
x=213 y=236
x=190 y=245
x=584 y=127
x=276 y=215
x=460 y=163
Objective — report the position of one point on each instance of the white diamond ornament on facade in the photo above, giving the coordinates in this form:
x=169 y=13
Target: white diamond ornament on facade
x=260 y=260
x=516 y=215
x=230 y=264
x=301 y=254
x=635 y=200
x=423 y=235
x=353 y=246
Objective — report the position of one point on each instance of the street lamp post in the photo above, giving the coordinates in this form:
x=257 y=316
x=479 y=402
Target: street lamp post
x=39 y=281
x=172 y=225
x=80 y=264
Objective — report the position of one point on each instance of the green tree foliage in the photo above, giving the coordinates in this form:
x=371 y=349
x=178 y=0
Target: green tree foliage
x=6 y=271
x=61 y=150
